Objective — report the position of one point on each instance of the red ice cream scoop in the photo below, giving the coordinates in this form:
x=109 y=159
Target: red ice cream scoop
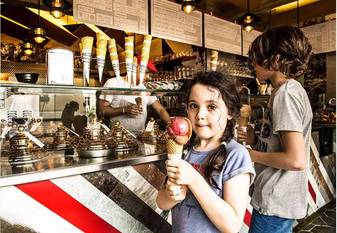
x=180 y=126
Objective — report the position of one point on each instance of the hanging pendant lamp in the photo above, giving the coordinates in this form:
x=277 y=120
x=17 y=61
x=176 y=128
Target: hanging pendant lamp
x=248 y=20
x=189 y=5
x=57 y=7
x=39 y=32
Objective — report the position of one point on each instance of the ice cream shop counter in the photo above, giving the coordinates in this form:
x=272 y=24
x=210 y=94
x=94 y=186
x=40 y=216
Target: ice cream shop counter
x=54 y=164
x=63 y=170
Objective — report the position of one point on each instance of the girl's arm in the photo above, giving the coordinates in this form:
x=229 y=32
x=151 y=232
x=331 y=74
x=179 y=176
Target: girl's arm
x=225 y=213
x=167 y=198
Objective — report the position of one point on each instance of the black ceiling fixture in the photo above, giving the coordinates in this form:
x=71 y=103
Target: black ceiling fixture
x=248 y=20
x=39 y=32
x=57 y=8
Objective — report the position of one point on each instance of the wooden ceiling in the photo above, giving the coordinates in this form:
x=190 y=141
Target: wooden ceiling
x=229 y=10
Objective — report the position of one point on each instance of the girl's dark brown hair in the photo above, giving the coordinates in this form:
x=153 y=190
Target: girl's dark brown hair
x=230 y=95
x=284 y=49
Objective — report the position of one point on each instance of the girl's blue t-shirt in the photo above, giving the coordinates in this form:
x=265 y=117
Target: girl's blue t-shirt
x=188 y=216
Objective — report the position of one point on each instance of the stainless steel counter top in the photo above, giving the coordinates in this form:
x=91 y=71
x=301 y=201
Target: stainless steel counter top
x=55 y=164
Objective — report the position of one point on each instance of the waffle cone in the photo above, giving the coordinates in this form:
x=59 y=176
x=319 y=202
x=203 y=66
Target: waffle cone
x=113 y=57
x=100 y=52
x=129 y=39
x=174 y=150
x=101 y=44
x=87 y=42
x=100 y=36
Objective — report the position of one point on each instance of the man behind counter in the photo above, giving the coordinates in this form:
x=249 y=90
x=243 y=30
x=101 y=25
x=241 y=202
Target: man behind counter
x=130 y=110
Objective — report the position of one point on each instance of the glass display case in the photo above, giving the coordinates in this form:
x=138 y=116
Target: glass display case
x=55 y=131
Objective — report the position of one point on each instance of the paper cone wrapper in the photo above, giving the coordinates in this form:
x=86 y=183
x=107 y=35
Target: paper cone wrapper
x=142 y=71
x=174 y=150
x=134 y=71
x=100 y=66
x=86 y=57
x=87 y=43
x=115 y=66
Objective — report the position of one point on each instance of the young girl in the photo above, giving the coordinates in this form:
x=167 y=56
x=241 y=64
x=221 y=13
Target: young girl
x=216 y=172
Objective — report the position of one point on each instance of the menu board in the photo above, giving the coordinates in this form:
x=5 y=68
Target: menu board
x=170 y=22
x=126 y=15
x=248 y=38
x=222 y=35
x=322 y=36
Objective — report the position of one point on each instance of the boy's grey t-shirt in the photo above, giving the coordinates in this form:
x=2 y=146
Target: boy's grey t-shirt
x=188 y=215
x=278 y=192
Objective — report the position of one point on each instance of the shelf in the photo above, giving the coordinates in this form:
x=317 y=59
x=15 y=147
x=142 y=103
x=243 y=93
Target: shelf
x=62 y=89
x=242 y=76
x=179 y=59
x=56 y=164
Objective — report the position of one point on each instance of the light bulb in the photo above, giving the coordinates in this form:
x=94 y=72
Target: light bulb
x=56 y=13
x=248 y=28
x=188 y=9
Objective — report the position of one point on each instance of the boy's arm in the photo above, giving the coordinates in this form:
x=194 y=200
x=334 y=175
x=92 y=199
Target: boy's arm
x=291 y=158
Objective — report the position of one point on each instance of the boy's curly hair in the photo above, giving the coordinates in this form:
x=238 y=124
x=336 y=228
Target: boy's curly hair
x=284 y=49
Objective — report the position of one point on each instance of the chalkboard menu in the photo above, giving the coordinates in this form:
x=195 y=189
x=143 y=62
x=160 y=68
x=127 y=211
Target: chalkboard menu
x=248 y=38
x=170 y=22
x=222 y=35
x=131 y=15
x=322 y=36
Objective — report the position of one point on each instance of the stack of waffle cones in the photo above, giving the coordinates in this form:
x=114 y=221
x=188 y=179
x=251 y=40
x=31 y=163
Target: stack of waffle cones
x=129 y=57
x=86 y=47
x=214 y=60
x=114 y=57
x=145 y=57
x=175 y=150
x=101 y=45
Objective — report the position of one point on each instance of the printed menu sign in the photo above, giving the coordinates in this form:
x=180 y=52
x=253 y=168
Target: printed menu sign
x=127 y=15
x=222 y=35
x=322 y=36
x=170 y=22
x=248 y=38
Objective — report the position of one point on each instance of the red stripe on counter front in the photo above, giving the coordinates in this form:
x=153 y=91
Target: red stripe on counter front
x=312 y=191
x=61 y=203
x=247 y=218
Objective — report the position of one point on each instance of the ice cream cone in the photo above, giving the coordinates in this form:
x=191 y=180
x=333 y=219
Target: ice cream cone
x=100 y=55
x=145 y=57
x=214 y=60
x=102 y=44
x=86 y=43
x=99 y=36
x=245 y=112
x=129 y=57
x=114 y=57
x=174 y=150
